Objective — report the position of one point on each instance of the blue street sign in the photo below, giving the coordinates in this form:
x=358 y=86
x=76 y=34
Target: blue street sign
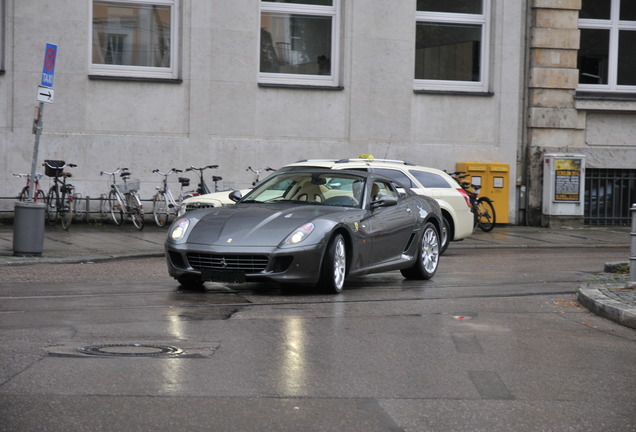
x=48 y=69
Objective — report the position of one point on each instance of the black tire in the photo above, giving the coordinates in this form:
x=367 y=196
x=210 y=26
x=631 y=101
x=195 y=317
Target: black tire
x=66 y=212
x=40 y=197
x=445 y=235
x=334 y=266
x=486 y=217
x=51 y=205
x=427 y=255
x=115 y=207
x=23 y=194
x=160 y=209
x=136 y=210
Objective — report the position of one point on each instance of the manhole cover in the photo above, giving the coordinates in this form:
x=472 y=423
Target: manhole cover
x=131 y=350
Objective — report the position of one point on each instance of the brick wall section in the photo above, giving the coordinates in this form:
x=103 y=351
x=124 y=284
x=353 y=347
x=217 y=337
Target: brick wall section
x=554 y=125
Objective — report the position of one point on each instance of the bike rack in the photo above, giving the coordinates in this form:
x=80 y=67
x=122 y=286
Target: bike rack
x=85 y=207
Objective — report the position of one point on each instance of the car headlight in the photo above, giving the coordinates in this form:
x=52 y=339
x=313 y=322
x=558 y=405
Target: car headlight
x=299 y=234
x=179 y=229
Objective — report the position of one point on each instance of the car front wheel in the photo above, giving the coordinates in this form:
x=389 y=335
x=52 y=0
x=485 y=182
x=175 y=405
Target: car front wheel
x=428 y=255
x=334 y=266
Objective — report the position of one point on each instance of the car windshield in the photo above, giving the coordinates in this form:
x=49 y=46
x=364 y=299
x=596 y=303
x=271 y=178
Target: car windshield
x=324 y=188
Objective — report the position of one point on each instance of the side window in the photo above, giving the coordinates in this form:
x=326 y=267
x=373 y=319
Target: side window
x=381 y=188
x=606 y=54
x=451 y=45
x=429 y=179
x=300 y=42
x=396 y=175
x=134 y=39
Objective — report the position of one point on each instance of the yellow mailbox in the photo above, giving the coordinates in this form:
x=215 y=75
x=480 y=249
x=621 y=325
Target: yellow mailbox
x=494 y=179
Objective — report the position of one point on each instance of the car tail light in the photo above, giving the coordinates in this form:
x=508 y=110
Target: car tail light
x=465 y=195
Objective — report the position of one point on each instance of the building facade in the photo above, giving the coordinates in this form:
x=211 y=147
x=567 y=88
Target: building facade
x=176 y=83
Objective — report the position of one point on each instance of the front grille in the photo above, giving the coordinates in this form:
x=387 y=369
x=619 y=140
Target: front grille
x=197 y=206
x=245 y=263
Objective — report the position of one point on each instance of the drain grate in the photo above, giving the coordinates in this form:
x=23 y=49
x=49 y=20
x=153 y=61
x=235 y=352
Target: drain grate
x=131 y=350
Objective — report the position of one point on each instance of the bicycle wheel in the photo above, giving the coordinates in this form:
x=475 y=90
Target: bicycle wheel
x=486 y=217
x=116 y=210
x=40 y=197
x=24 y=194
x=135 y=210
x=66 y=212
x=51 y=205
x=160 y=209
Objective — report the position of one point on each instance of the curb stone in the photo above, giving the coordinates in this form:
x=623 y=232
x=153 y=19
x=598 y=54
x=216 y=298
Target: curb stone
x=600 y=304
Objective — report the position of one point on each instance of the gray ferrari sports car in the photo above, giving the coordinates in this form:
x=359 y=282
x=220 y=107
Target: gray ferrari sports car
x=310 y=226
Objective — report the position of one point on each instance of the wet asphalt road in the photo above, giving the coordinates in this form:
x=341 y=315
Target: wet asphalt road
x=495 y=342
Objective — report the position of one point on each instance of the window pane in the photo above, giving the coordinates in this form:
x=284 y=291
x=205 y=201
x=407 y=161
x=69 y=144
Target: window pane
x=430 y=180
x=626 y=58
x=131 y=34
x=453 y=6
x=628 y=10
x=305 y=2
x=593 y=56
x=595 y=9
x=447 y=51
x=395 y=175
x=295 y=44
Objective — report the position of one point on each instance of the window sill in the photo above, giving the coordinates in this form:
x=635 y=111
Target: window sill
x=600 y=101
x=300 y=86
x=453 y=93
x=144 y=79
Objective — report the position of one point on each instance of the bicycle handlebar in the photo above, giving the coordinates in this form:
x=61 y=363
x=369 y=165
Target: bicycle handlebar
x=114 y=172
x=70 y=165
x=249 y=168
x=192 y=168
x=172 y=170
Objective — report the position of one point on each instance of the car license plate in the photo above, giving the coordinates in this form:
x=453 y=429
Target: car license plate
x=223 y=276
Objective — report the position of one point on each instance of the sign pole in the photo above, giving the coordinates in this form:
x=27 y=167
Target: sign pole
x=45 y=94
x=36 y=149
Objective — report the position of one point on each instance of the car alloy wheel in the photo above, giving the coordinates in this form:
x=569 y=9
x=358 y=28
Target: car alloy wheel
x=334 y=267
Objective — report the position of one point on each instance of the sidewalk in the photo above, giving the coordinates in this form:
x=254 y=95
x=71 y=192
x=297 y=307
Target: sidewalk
x=606 y=296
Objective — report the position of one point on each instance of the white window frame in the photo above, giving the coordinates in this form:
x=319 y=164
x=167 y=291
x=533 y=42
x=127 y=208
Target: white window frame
x=140 y=72
x=614 y=25
x=2 y=34
x=333 y=11
x=483 y=20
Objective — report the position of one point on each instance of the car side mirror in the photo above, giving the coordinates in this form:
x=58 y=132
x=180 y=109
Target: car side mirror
x=384 y=201
x=235 y=195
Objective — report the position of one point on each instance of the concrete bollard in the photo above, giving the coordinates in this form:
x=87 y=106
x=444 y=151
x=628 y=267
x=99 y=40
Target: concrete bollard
x=632 y=250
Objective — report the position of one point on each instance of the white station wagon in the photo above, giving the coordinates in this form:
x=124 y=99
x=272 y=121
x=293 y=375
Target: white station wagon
x=432 y=182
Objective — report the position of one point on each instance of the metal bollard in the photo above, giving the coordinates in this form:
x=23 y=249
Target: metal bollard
x=632 y=251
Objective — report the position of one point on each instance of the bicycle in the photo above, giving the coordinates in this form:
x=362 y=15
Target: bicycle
x=202 y=187
x=124 y=198
x=59 y=200
x=258 y=173
x=482 y=207
x=25 y=193
x=164 y=203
